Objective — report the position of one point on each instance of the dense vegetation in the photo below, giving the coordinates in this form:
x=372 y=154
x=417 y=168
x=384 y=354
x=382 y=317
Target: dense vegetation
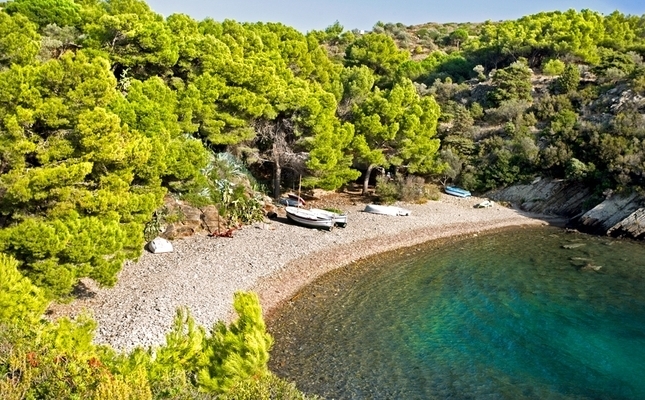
x=106 y=107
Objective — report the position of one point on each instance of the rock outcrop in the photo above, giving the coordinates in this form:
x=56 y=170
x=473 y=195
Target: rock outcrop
x=546 y=196
x=182 y=220
x=617 y=215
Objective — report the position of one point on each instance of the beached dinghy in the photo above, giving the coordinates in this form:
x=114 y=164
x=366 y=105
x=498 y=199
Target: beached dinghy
x=292 y=200
x=339 y=219
x=456 y=191
x=386 y=210
x=309 y=218
x=484 y=204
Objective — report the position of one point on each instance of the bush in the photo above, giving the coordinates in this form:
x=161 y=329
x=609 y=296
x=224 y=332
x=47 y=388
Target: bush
x=386 y=190
x=58 y=360
x=553 y=67
x=508 y=111
x=20 y=301
x=265 y=388
x=511 y=83
x=411 y=189
x=476 y=111
x=569 y=80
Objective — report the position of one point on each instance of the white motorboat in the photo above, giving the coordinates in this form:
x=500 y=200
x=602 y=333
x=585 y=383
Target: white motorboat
x=339 y=219
x=309 y=218
x=386 y=210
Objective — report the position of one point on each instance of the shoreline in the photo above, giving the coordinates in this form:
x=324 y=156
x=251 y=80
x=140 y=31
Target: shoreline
x=275 y=259
x=280 y=288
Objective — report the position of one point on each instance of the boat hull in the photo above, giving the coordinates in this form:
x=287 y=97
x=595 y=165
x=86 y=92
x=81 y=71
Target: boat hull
x=308 y=218
x=339 y=219
x=455 y=191
x=386 y=210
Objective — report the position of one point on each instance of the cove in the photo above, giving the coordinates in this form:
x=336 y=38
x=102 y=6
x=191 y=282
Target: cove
x=516 y=314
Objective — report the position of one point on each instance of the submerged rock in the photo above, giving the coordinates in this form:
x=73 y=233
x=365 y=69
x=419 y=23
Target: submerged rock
x=591 y=267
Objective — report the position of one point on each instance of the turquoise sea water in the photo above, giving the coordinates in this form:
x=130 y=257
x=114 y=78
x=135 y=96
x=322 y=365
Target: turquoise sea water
x=508 y=315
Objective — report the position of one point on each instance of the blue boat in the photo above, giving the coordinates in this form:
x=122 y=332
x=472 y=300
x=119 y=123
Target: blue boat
x=455 y=191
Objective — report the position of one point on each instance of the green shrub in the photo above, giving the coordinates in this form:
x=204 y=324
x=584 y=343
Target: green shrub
x=59 y=361
x=569 y=80
x=20 y=300
x=553 y=67
x=266 y=387
x=411 y=189
x=386 y=190
x=638 y=80
x=476 y=111
x=511 y=83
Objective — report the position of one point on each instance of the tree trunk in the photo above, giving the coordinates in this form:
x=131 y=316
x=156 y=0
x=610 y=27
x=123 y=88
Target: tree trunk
x=366 y=181
x=277 y=177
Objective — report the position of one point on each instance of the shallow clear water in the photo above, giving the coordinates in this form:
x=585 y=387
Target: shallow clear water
x=508 y=315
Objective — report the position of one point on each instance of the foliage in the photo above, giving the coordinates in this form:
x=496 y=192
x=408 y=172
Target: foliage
x=386 y=190
x=265 y=388
x=58 y=360
x=511 y=83
x=238 y=352
x=411 y=189
x=19 y=40
x=553 y=67
x=569 y=80
x=378 y=52
x=397 y=127
x=20 y=301
x=45 y=12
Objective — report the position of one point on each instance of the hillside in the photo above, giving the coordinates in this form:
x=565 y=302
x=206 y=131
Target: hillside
x=108 y=110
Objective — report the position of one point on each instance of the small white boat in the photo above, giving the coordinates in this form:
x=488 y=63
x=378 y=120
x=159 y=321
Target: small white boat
x=339 y=219
x=386 y=210
x=484 y=204
x=292 y=200
x=309 y=218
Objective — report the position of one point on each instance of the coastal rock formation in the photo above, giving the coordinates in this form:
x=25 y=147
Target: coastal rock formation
x=187 y=220
x=191 y=220
x=545 y=196
x=617 y=215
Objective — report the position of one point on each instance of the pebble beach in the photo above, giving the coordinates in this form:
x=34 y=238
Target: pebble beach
x=274 y=258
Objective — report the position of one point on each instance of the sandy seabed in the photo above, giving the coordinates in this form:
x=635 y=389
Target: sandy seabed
x=274 y=259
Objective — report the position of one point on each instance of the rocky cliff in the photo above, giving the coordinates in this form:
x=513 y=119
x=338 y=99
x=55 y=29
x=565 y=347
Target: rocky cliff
x=546 y=196
x=617 y=215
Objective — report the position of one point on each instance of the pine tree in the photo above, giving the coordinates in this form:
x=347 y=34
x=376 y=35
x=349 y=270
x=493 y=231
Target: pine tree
x=238 y=352
x=397 y=127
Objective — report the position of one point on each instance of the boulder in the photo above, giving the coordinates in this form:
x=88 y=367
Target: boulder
x=192 y=220
x=191 y=216
x=160 y=245
x=178 y=231
x=211 y=220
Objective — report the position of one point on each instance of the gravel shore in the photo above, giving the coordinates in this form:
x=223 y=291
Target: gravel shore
x=274 y=259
